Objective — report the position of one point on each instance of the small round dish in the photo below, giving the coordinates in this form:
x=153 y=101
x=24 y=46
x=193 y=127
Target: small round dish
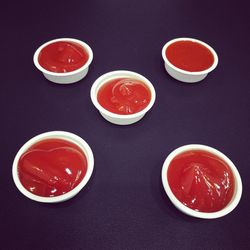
x=185 y=75
x=67 y=136
x=191 y=212
x=120 y=119
x=67 y=77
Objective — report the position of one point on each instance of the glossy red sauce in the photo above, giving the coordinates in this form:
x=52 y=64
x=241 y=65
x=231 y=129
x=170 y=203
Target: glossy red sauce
x=52 y=167
x=189 y=56
x=124 y=96
x=62 y=57
x=201 y=181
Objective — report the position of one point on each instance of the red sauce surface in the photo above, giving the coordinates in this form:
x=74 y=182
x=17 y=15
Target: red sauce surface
x=124 y=96
x=52 y=167
x=189 y=56
x=62 y=57
x=201 y=181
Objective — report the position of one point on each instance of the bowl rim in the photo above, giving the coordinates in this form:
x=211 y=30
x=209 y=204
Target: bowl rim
x=50 y=135
x=204 y=215
x=192 y=73
x=79 y=42
x=101 y=80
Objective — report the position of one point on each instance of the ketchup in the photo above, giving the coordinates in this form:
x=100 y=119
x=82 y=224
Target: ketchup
x=189 y=56
x=201 y=180
x=124 y=96
x=62 y=57
x=52 y=167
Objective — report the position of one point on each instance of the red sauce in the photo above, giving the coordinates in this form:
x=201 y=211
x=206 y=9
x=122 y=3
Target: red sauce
x=201 y=181
x=52 y=167
x=124 y=96
x=62 y=57
x=189 y=56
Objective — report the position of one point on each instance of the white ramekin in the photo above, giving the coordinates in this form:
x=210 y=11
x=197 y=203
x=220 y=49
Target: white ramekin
x=58 y=135
x=68 y=77
x=184 y=75
x=118 y=118
x=237 y=189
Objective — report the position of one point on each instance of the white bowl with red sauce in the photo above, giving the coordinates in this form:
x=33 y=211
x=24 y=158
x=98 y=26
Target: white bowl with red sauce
x=53 y=167
x=63 y=60
x=188 y=60
x=201 y=181
x=122 y=97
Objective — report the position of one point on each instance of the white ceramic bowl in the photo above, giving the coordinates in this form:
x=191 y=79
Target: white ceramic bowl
x=117 y=118
x=183 y=75
x=238 y=184
x=59 y=135
x=68 y=77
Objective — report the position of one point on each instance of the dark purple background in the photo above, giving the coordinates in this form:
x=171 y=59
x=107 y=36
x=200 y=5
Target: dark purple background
x=124 y=205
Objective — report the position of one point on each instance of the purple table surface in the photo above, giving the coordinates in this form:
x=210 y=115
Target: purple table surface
x=124 y=205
